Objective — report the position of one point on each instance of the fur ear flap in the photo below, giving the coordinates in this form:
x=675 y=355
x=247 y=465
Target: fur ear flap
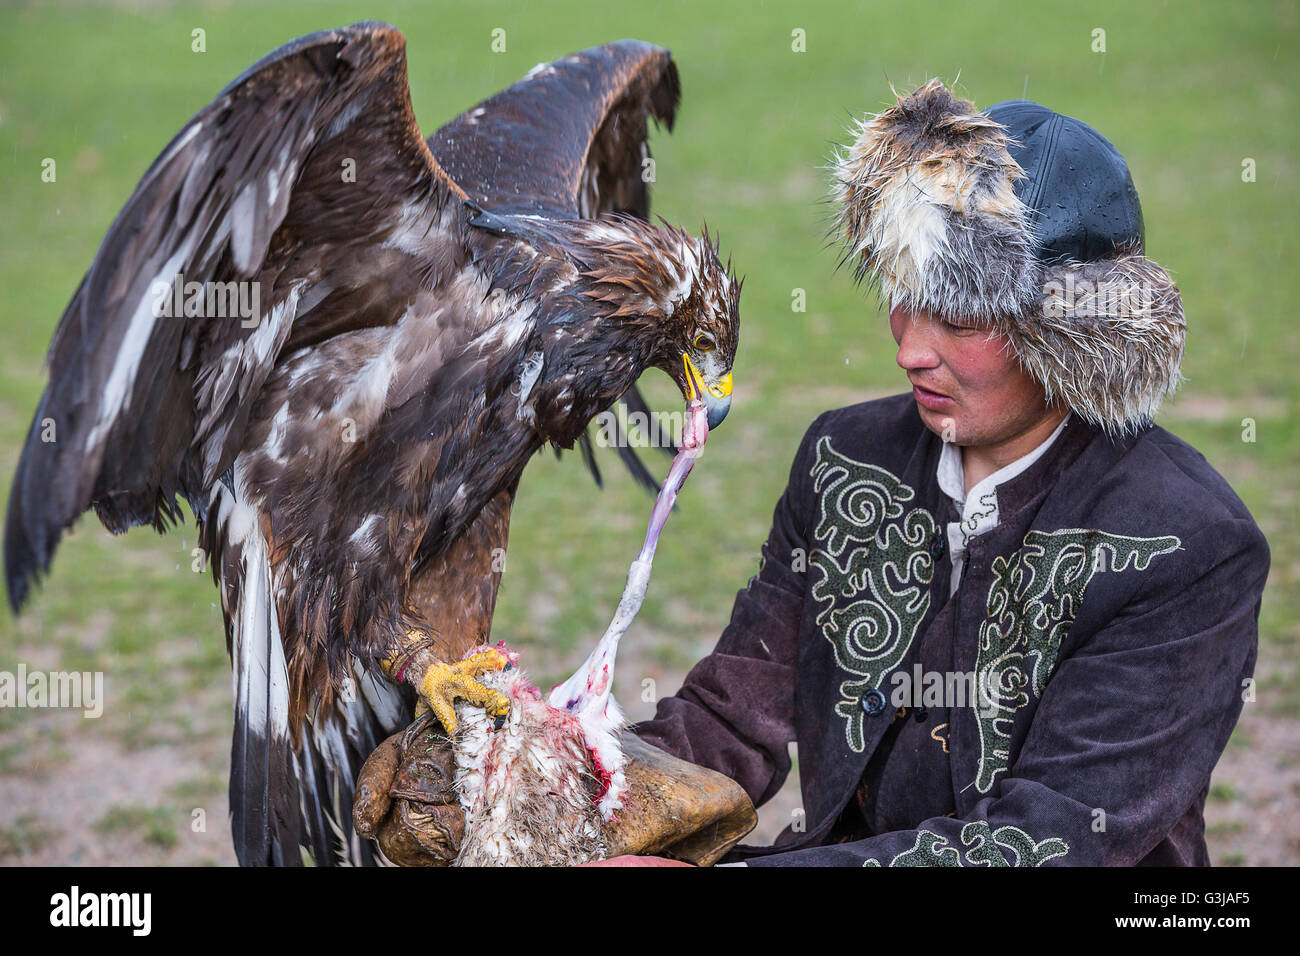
x=927 y=208
x=1105 y=338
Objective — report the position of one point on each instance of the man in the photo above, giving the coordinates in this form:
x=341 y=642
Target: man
x=1007 y=620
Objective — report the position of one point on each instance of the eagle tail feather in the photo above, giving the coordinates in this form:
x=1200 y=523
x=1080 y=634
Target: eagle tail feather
x=266 y=821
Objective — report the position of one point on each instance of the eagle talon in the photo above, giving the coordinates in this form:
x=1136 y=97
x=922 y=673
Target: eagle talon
x=443 y=684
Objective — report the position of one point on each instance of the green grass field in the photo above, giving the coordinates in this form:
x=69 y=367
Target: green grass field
x=1186 y=91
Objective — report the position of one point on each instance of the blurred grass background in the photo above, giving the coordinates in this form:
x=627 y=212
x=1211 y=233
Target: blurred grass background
x=1186 y=91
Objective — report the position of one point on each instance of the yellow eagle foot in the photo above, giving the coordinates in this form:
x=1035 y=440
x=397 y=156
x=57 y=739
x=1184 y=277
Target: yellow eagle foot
x=444 y=684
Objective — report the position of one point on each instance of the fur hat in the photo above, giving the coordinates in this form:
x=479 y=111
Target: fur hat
x=1025 y=221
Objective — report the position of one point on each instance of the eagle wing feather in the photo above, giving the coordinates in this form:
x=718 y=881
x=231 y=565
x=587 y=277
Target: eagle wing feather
x=584 y=122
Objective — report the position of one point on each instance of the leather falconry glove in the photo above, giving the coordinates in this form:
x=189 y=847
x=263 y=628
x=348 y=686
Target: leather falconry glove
x=406 y=800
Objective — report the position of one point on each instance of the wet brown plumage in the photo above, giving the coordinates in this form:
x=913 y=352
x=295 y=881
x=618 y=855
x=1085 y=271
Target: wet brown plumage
x=431 y=315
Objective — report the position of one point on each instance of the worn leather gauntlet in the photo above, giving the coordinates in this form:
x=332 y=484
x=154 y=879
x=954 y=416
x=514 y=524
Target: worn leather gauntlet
x=406 y=797
x=406 y=800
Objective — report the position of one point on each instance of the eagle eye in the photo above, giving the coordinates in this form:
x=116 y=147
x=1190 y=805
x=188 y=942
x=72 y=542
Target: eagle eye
x=703 y=342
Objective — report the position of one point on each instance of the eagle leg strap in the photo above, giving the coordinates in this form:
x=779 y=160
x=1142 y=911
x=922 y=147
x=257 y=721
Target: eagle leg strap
x=395 y=666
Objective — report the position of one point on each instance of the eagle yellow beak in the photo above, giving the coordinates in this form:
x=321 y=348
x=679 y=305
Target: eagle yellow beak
x=715 y=395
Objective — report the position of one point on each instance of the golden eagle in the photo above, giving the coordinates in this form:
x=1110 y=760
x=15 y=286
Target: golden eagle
x=426 y=316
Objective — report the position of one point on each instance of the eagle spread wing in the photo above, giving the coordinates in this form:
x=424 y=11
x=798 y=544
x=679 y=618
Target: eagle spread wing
x=292 y=325
x=582 y=121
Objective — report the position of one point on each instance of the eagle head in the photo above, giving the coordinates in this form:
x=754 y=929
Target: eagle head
x=678 y=287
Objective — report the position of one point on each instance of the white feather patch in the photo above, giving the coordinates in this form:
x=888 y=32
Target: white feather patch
x=116 y=395
x=260 y=677
x=528 y=789
x=529 y=372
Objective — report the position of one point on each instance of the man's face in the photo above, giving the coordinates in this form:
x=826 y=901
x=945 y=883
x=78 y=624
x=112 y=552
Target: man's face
x=968 y=383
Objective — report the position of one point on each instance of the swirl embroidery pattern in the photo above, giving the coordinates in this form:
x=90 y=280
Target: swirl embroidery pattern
x=988 y=508
x=981 y=843
x=866 y=547
x=1031 y=604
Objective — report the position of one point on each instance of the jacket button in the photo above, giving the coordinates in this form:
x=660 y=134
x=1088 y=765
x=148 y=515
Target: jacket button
x=873 y=702
x=937 y=545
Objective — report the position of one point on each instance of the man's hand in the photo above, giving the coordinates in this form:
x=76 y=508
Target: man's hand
x=406 y=799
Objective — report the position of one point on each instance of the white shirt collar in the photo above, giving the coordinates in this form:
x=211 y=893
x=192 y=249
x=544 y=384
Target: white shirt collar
x=979 y=509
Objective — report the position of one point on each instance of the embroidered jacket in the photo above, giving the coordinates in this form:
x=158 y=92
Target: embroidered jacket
x=1094 y=657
